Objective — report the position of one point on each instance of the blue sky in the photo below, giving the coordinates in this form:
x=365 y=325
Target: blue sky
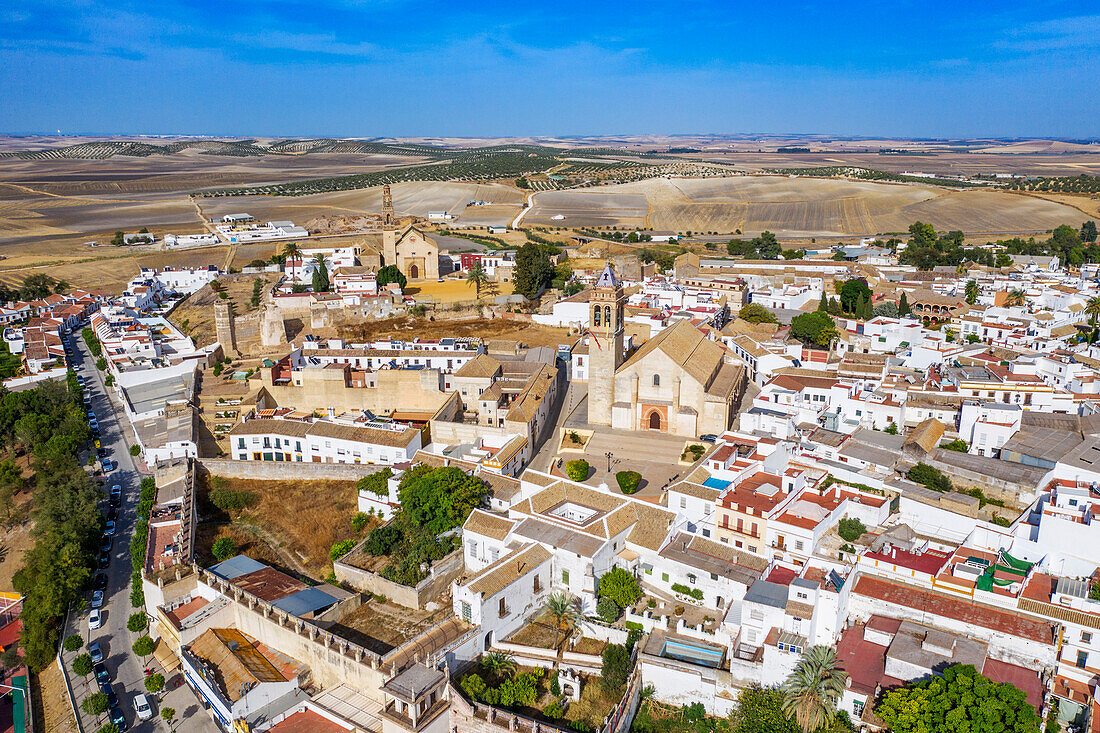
x=404 y=68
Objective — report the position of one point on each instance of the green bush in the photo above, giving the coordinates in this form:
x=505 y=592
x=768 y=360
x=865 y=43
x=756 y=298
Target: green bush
x=73 y=642
x=628 y=481
x=930 y=477
x=633 y=626
x=620 y=586
x=339 y=549
x=231 y=501
x=957 y=444
x=135 y=450
x=616 y=667
x=82 y=665
x=359 y=521
x=154 y=683
x=137 y=622
x=224 y=548
x=577 y=470
x=608 y=610
x=850 y=529
x=95 y=704
x=376 y=483
x=382 y=540
x=553 y=711
x=685 y=590
x=555 y=686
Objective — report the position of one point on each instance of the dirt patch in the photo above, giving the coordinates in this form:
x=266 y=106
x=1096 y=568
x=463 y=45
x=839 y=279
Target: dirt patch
x=408 y=327
x=381 y=626
x=51 y=702
x=292 y=524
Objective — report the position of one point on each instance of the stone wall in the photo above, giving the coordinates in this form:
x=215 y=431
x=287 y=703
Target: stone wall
x=435 y=585
x=277 y=470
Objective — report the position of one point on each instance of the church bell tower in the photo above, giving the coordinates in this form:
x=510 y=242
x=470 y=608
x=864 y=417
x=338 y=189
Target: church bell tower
x=605 y=344
x=389 y=228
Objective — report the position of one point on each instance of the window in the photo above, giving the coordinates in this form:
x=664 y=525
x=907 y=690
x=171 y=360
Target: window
x=683 y=502
x=691 y=578
x=714 y=576
x=656 y=380
x=502 y=607
x=473 y=548
x=494 y=554
x=1086 y=637
x=664 y=577
x=798 y=545
x=706 y=532
x=1082 y=659
x=752 y=548
x=240 y=442
x=565 y=577
x=538 y=584
x=466 y=612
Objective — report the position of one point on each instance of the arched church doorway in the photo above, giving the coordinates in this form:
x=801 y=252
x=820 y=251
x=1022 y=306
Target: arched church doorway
x=654 y=420
x=414 y=272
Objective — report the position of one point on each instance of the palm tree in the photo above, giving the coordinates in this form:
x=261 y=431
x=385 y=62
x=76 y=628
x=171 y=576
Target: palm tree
x=811 y=691
x=292 y=252
x=1092 y=307
x=972 y=292
x=477 y=276
x=563 y=610
x=1015 y=297
x=499 y=664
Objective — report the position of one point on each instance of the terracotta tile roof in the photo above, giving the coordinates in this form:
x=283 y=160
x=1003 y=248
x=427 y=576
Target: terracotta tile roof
x=926 y=435
x=686 y=346
x=508 y=570
x=956 y=609
x=307 y=721
x=482 y=365
x=488 y=525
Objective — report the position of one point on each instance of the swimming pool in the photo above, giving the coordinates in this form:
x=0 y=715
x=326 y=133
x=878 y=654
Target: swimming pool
x=716 y=483
x=696 y=652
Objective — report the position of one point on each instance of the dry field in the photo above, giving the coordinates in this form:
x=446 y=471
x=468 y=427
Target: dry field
x=407 y=327
x=800 y=207
x=450 y=291
x=292 y=525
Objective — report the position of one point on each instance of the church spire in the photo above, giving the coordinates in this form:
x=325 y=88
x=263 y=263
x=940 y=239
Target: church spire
x=387 y=207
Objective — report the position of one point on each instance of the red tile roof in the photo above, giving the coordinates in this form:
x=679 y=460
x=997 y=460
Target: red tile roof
x=929 y=561
x=956 y=609
x=306 y=721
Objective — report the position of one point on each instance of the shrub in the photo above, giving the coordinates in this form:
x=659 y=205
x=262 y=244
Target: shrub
x=930 y=477
x=553 y=711
x=382 y=540
x=693 y=452
x=634 y=626
x=555 y=686
x=82 y=665
x=376 y=483
x=143 y=647
x=608 y=610
x=218 y=368
x=154 y=683
x=619 y=586
x=616 y=667
x=137 y=622
x=1001 y=521
x=955 y=445
x=850 y=529
x=628 y=481
x=359 y=521
x=135 y=450
x=224 y=548
x=685 y=590
x=577 y=470
x=339 y=549
x=73 y=642
x=95 y=704
x=891 y=429
x=231 y=501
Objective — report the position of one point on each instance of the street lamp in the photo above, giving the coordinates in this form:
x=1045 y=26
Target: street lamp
x=608 y=455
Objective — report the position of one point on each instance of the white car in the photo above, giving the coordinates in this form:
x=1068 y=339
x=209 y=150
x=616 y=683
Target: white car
x=97 y=599
x=95 y=619
x=141 y=707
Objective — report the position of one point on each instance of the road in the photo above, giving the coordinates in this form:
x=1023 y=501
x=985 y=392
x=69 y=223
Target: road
x=127 y=670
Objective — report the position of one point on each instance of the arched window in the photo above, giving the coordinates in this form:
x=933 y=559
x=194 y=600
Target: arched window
x=607 y=315
x=596 y=316
x=656 y=380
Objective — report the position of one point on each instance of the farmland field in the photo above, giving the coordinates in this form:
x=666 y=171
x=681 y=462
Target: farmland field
x=798 y=207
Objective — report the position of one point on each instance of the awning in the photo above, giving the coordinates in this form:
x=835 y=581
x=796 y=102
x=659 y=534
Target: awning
x=628 y=555
x=165 y=657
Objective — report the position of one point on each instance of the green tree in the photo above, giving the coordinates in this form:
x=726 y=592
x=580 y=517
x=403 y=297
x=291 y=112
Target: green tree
x=1092 y=308
x=930 y=477
x=850 y=529
x=628 y=481
x=439 y=499
x=577 y=470
x=1015 y=298
x=815 y=328
x=971 y=292
x=1003 y=260
x=767 y=246
x=498 y=664
x=888 y=309
x=73 y=642
x=760 y=710
x=852 y=291
x=154 y=683
x=95 y=704
x=37 y=286
x=376 y=483
x=756 y=313
x=903 y=305
x=533 y=270
x=478 y=277
x=143 y=647
x=960 y=699
x=168 y=715
x=620 y=586
x=608 y=610
x=82 y=665
x=812 y=690
x=339 y=549
x=223 y=548
x=616 y=667
x=137 y=622
x=320 y=275
x=292 y=253
x=1088 y=232
x=390 y=274
x=957 y=444
x=107 y=728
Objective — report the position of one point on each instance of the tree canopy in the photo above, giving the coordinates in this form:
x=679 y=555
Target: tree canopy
x=439 y=499
x=390 y=274
x=619 y=586
x=533 y=271
x=320 y=275
x=959 y=701
x=815 y=328
x=764 y=247
x=756 y=313
x=850 y=293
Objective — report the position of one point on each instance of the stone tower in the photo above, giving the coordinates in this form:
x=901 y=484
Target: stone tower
x=605 y=344
x=225 y=328
x=389 y=228
x=272 y=329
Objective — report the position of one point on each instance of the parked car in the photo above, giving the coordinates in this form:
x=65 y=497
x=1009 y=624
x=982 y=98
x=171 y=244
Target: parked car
x=102 y=676
x=109 y=465
x=100 y=581
x=97 y=599
x=112 y=513
x=105 y=545
x=109 y=529
x=116 y=495
x=112 y=698
x=104 y=560
x=96 y=652
x=119 y=719
x=142 y=707
x=709 y=438
x=95 y=619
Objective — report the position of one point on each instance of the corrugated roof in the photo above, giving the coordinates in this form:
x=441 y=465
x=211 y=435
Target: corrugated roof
x=237 y=661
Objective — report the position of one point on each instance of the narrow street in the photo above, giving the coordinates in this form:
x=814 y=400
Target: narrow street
x=126 y=670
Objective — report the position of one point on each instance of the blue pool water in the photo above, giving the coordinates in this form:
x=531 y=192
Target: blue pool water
x=695 y=652
x=716 y=483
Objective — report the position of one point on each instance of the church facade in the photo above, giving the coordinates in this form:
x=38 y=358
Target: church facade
x=677 y=382
x=415 y=254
